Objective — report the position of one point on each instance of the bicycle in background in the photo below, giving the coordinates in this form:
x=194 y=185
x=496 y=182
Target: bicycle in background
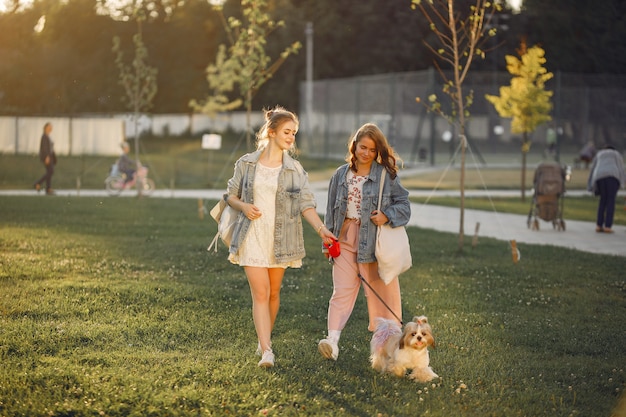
x=117 y=182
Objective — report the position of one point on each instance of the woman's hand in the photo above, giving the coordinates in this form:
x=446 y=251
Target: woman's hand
x=251 y=211
x=378 y=218
x=327 y=236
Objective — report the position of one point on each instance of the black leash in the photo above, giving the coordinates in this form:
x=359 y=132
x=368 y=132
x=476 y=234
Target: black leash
x=380 y=298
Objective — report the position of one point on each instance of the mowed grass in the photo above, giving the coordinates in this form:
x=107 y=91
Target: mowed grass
x=114 y=307
x=583 y=208
x=173 y=163
x=487 y=178
x=181 y=163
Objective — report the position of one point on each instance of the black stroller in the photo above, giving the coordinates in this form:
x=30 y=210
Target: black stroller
x=547 y=204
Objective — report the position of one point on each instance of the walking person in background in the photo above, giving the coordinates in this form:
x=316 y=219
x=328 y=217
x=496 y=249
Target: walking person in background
x=606 y=176
x=352 y=214
x=271 y=191
x=551 y=140
x=587 y=153
x=48 y=158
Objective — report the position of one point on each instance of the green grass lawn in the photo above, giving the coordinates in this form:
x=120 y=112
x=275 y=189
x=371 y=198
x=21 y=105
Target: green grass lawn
x=178 y=163
x=113 y=307
x=487 y=178
x=573 y=208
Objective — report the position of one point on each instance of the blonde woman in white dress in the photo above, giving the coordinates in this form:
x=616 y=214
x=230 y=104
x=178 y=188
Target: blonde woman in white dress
x=271 y=191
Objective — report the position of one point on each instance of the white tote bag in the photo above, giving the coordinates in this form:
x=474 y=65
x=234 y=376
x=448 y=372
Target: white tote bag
x=393 y=251
x=226 y=217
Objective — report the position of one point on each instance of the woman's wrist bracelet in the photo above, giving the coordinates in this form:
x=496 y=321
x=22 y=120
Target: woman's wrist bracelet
x=319 y=229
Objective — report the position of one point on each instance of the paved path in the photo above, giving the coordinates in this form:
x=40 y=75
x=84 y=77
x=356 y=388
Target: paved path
x=578 y=235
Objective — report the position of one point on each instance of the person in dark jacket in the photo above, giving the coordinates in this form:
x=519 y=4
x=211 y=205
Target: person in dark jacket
x=48 y=158
x=125 y=164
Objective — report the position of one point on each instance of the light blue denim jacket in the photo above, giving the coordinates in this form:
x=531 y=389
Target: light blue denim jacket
x=293 y=196
x=395 y=205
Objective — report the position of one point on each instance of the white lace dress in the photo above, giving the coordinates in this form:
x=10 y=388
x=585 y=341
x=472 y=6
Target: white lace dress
x=257 y=248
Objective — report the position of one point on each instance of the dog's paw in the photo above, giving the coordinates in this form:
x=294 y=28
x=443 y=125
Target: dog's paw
x=423 y=374
x=377 y=363
x=399 y=371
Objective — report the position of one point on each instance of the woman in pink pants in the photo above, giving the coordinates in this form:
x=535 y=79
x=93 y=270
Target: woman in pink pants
x=352 y=215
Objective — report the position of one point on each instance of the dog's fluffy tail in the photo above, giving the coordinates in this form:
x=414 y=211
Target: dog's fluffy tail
x=385 y=328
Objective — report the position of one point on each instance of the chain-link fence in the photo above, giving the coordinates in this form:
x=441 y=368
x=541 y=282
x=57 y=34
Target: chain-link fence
x=586 y=108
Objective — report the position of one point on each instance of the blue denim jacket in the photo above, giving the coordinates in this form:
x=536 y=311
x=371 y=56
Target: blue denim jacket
x=293 y=196
x=395 y=205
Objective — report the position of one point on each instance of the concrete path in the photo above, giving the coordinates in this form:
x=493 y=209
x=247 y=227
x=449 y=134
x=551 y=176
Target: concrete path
x=578 y=235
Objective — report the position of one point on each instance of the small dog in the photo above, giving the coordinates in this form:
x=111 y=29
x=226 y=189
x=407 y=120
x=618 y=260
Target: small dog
x=396 y=351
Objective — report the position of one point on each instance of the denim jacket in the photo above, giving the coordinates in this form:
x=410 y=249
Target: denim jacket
x=293 y=196
x=395 y=205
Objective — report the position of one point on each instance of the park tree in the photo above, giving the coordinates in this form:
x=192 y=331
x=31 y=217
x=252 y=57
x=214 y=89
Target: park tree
x=526 y=101
x=460 y=37
x=66 y=69
x=244 y=63
x=138 y=79
x=19 y=90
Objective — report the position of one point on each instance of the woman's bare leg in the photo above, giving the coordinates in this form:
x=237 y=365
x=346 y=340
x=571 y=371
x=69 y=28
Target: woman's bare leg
x=265 y=285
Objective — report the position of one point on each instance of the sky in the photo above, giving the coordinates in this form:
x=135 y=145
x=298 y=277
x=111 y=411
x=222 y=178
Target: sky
x=515 y=4
x=3 y=4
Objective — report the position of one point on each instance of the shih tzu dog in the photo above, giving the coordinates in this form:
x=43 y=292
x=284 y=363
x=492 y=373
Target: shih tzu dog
x=396 y=350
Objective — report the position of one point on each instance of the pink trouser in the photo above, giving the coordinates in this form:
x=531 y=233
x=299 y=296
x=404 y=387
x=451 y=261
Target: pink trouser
x=346 y=284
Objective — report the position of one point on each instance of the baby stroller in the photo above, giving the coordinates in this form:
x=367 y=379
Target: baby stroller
x=547 y=204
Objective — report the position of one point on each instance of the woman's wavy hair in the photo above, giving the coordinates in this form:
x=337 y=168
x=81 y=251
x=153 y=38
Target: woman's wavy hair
x=385 y=155
x=274 y=118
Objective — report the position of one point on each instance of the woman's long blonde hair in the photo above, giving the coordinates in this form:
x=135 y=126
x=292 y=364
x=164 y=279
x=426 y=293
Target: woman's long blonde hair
x=385 y=155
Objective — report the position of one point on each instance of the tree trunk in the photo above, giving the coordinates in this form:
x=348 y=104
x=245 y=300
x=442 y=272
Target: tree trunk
x=523 y=176
x=463 y=139
x=524 y=152
x=458 y=84
x=462 y=185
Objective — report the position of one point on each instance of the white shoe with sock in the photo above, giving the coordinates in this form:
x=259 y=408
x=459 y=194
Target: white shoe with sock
x=329 y=347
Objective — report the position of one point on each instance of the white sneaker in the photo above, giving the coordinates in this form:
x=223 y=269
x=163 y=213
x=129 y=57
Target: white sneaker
x=267 y=361
x=328 y=348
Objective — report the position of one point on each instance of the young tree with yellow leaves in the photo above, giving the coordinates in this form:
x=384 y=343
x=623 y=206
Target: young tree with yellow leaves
x=525 y=101
x=244 y=63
